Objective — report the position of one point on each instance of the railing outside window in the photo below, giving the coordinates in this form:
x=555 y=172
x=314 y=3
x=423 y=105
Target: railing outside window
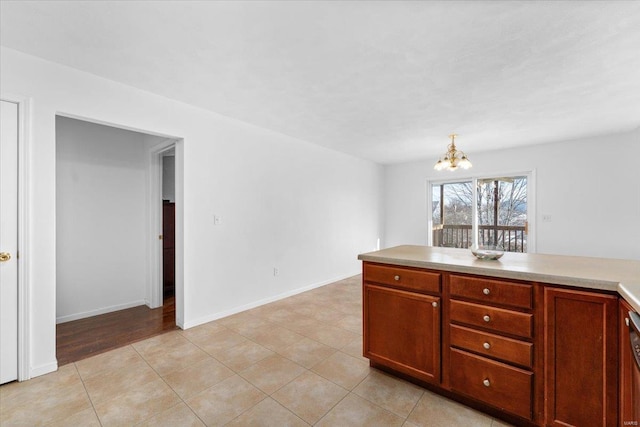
x=511 y=238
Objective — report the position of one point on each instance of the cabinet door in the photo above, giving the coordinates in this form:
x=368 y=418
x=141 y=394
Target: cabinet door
x=629 y=374
x=581 y=358
x=402 y=331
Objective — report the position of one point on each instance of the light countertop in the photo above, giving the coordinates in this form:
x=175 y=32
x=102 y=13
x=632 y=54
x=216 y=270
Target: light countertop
x=622 y=276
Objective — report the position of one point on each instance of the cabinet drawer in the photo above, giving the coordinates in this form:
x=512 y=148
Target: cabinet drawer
x=404 y=278
x=500 y=385
x=492 y=291
x=493 y=318
x=506 y=349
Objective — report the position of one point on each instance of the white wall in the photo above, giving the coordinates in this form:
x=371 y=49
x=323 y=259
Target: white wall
x=593 y=199
x=283 y=203
x=101 y=216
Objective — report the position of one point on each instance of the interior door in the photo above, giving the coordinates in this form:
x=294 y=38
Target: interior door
x=8 y=242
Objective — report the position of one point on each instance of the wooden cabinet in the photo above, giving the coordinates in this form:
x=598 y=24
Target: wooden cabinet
x=491 y=337
x=402 y=328
x=581 y=358
x=531 y=353
x=629 y=373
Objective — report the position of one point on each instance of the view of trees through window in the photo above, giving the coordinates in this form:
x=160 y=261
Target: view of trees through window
x=501 y=209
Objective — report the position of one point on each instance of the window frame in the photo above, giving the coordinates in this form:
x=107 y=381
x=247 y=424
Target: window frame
x=531 y=202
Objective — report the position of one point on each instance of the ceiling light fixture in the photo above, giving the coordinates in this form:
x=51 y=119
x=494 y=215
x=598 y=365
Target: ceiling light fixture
x=453 y=159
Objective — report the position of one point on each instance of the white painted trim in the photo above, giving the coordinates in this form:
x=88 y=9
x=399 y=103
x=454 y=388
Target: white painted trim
x=532 y=212
x=24 y=225
x=179 y=233
x=429 y=218
x=154 y=287
x=36 y=371
x=113 y=125
x=154 y=207
x=220 y=315
x=103 y=310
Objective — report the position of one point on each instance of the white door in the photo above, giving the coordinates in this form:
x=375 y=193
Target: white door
x=8 y=242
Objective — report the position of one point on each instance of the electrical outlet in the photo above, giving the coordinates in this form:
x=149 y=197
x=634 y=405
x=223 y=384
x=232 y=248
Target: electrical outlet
x=546 y=218
x=276 y=271
x=216 y=220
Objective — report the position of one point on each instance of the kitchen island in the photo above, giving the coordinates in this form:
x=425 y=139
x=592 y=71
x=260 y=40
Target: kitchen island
x=533 y=339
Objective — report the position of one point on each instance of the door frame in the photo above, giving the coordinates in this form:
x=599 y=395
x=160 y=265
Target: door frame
x=531 y=202
x=25 y=105
x=155 y=285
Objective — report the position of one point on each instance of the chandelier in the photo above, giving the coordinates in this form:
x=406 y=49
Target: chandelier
x=453 y=159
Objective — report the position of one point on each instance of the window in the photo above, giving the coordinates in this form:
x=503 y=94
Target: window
x=500 y=209
x=452 y=212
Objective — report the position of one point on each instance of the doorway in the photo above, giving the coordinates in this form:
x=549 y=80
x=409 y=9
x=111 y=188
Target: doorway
x=105 y=199
x=493 y=210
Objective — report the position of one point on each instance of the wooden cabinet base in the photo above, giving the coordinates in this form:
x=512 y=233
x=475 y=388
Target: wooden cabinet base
x=546 y=357
x=457 y=397
x=495 y=383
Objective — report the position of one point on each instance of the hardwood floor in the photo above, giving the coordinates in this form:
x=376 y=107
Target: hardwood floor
x=83 y=338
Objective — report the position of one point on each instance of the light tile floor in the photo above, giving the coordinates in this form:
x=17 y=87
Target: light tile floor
x=294 y=362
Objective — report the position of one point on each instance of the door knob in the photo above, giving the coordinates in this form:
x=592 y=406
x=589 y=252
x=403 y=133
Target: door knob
x=5 y=256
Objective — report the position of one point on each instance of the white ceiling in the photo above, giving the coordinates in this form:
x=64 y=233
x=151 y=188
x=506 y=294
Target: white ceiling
x=382 y=80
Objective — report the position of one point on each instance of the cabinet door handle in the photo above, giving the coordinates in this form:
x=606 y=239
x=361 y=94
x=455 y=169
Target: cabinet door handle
x=434 y=304
x=486 y=291
x=396 y=278
x=486 y=345
x=486 y=382
x=486 y=318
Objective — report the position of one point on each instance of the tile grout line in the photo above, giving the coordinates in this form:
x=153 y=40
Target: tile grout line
x=87 y=392
x=168 y=385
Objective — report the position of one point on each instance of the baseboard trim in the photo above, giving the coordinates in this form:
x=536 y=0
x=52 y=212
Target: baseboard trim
x=78 y=316
x=42 y=370
x=221 y=314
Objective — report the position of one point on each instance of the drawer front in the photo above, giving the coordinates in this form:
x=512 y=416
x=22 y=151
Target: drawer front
x=492 y=291
x=500 y=385
x=492 y=318
x=505 y=349
x=403 y=278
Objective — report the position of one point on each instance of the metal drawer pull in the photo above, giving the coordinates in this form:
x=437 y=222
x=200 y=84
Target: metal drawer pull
x=486 y=382
x=435 y=304
x=396 y=278
x=486 y=291
x=486 y=318
x=486 y=345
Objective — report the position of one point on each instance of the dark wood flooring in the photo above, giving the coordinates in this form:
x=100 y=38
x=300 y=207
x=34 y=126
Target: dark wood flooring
x=79 y=339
